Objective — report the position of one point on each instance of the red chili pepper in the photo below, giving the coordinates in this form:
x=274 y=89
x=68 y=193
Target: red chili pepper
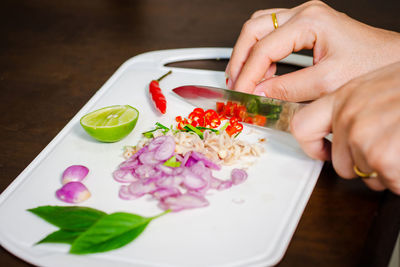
x=240 y=112
x=196 y=118
x=159 y=100
x=220 y=107
x=238 y=127
x=230 y=130
x=212 y=119
x=182 y=124
x=210 y=113
x=178 y=119
x=198 y=111
x=259 y=120
x=248 y=120
x=233 y=121
x=197 y=121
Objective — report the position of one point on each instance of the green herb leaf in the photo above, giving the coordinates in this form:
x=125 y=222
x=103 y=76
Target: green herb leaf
x=205 y=128
x=110 y=232
x=273 y=116
x=161 y=126
x=222 y=129
x=191 y=128
x=149 y=134
x=171 y=162
x=69 y=218
x=61 y=236
x=89 y=230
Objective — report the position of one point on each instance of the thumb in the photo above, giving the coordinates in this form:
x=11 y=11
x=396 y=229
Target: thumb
x=302 y=85
x=311 y=124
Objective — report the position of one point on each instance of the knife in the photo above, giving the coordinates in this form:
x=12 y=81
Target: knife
x=259 y=110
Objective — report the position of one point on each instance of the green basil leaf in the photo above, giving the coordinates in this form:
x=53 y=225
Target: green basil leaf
x=110 y=232
x=71 y=218
x=61 y=236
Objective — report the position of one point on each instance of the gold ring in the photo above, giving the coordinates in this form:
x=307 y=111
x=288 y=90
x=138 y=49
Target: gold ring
x=363 y=174
x=274 y=20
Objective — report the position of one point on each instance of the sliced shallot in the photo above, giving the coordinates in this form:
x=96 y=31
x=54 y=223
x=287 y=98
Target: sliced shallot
x=193 y=181
x=184 y=201
x=238 y=176
x=166 y=149
x=124 y=176
x=74 y=173
x=175 y=186
x=73 y=192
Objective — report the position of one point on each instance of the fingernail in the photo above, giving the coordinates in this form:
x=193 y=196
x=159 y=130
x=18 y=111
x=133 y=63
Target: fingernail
x=259 y=92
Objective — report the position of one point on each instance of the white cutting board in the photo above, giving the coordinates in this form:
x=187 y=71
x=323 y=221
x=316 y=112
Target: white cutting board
x=247 y=225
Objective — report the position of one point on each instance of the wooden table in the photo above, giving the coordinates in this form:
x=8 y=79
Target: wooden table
x=56 y=54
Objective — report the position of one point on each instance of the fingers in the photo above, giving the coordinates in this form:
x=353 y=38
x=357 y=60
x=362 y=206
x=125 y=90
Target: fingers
x=267 y=12
x=374 y=184
x=311 y=124
x=290 y=87
x=272 y=48
x=252 y=32
x=384 y=159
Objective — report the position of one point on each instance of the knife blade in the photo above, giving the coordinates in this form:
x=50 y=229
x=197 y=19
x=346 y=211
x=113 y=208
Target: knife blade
x=261 y=111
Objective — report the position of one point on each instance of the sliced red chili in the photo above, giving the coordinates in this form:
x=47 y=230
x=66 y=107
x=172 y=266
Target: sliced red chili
x=248 y=120
x=240 y=112
x=210 y=113
x=259 y=120
x=230 y=130
x=198 y=111
x=220 y=107
x=182 y=124
x=238 y=127
x=178 y=119
x=211 y=118
x=233 y=121
x=215 y=123
x=197 y=121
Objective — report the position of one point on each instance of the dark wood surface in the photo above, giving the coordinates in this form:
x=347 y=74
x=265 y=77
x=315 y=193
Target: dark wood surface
x=54 y=55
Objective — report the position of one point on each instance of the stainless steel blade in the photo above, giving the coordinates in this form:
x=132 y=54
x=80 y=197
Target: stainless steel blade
x=278 y=113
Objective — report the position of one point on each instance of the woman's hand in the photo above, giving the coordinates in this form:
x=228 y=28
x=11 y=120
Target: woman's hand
x=364 y=117
x=343 y=49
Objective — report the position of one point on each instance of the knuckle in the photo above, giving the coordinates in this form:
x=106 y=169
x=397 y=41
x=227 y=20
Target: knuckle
x=248 y=26
x=358 y=134
x=344 y=117
x=386 y=166
x=314 y=10
x=345 y=173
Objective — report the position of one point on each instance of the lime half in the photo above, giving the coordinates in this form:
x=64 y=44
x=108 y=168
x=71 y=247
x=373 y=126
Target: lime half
x=110 y=124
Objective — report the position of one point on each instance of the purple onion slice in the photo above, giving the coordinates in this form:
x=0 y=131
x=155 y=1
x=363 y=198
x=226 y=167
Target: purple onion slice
x=73 y=192
x=184 y=201
x=238 y=176
x=74 y=173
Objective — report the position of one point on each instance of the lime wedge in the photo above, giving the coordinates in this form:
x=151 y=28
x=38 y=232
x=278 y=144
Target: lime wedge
x=110 y=124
